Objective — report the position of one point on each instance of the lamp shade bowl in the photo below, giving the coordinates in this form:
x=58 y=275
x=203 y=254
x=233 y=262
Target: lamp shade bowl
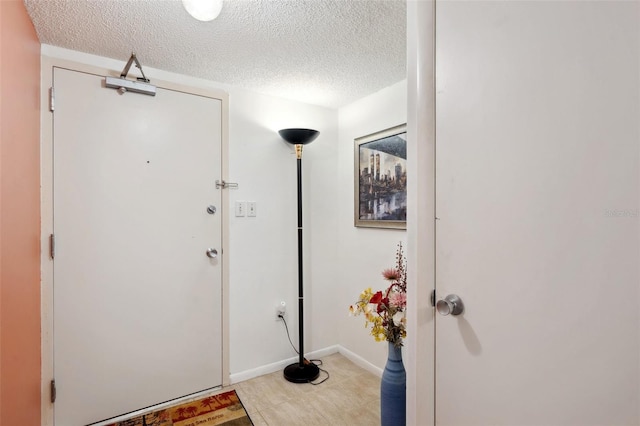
x=299 y=136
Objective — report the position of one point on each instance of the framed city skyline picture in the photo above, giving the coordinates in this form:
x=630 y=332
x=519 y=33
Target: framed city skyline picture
x=381 y=179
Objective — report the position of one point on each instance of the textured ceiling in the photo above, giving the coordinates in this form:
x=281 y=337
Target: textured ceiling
x=324 y=52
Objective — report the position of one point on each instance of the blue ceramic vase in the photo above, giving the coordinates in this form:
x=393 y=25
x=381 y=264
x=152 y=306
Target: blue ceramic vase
x=393 y=390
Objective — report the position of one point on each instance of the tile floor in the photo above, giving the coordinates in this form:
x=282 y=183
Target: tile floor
x=351 y=397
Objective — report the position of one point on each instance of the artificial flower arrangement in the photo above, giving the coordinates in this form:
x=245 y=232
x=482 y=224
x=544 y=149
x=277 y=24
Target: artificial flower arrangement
x=385 y=310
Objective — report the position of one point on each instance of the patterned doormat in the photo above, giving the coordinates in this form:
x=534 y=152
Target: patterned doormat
x=224 y=409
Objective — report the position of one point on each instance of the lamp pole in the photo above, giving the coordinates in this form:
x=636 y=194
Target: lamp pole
x=303 y=371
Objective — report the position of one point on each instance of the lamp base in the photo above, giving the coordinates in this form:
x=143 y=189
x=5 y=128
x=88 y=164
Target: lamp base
x=305 y=374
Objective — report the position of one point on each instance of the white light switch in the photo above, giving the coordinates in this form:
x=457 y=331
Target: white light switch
x=241 y=208
x=252 y=208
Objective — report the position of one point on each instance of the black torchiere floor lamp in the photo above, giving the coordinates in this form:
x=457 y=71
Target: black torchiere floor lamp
x=303 y=371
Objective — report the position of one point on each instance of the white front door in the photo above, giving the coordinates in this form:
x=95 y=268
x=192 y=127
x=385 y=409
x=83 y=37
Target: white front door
x=537 y=184
x=137 y=302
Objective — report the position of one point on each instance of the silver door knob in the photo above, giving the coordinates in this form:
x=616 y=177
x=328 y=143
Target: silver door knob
x=451 y=304
x=212 y=253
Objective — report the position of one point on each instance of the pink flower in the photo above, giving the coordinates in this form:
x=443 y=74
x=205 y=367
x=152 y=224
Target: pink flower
x=385 y=310
x=391 y=274
x=398 y=300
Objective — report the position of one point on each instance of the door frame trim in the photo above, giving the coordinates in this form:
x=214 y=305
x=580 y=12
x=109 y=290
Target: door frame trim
x=46 y=227
x=421 y=210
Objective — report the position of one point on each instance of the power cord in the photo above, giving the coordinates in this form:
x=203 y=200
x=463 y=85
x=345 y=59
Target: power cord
x=317 y=362
x=287 y=328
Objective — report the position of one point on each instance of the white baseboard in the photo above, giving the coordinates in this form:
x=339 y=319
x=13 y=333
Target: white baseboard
x=280 y=365
x=359 y=361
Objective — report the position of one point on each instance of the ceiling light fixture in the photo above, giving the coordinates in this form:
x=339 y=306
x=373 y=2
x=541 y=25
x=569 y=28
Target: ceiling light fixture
x=203 y=10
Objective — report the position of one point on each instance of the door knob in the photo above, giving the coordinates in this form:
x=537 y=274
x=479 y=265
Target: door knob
x=451 y=304
x=212 y=253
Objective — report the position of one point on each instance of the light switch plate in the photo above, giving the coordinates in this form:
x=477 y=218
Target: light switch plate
x=252 y=208
x=241 y=208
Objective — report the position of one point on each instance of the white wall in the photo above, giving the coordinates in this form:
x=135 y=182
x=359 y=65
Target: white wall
x=263 y=250
x=340 y=259
x=363 y=252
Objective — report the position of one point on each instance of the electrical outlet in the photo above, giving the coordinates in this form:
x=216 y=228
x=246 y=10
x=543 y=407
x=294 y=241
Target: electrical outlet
x=281 y=310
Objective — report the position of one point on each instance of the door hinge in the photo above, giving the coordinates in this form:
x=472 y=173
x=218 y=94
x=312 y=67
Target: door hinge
x=53 y=391
x=52 y=246
x=52 y=99
x=433 y=297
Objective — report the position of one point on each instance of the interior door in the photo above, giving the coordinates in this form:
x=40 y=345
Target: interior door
x=537 y=153
x=137 y=301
